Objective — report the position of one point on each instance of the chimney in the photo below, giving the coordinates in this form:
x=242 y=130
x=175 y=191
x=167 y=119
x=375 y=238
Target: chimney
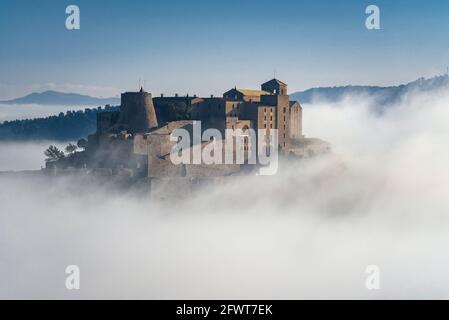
x=162 y=95
x=176 y=95
x=211 y=95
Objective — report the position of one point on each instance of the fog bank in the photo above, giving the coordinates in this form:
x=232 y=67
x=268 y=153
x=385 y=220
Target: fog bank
x=10 y=112
x=308 y=232
x=17 y=156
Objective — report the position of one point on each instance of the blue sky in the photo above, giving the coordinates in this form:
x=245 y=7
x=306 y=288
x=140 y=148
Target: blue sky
x=206 y=47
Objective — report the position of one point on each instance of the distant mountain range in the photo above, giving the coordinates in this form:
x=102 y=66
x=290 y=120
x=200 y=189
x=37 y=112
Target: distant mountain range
x=385 y=96
x=62 y=99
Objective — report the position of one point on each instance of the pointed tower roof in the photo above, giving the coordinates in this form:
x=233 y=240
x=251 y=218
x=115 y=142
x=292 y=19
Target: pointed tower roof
x=274 y=81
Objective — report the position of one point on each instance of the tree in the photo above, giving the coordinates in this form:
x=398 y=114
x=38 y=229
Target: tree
x=53 y=154
x=71 y=148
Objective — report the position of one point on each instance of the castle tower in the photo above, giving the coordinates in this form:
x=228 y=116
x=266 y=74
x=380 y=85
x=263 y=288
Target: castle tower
x=137 y=112
x=279 y=99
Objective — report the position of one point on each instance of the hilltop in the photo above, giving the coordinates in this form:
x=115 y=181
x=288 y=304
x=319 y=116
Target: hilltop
x=62 y=99
x=386 y=96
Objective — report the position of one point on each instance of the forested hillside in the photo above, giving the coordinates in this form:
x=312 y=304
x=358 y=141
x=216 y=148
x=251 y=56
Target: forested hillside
x=69 y=126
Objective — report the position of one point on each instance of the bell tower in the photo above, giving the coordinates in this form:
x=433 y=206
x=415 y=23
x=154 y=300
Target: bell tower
x=278 y=97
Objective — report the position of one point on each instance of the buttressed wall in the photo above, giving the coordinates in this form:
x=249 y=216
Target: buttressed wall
x=137 y=114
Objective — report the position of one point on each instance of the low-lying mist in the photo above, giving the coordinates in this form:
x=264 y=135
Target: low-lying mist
x=310 y=231
x=10 y=112
x=18 y=156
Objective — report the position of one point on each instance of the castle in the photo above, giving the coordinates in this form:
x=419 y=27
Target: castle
x=138 y=139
